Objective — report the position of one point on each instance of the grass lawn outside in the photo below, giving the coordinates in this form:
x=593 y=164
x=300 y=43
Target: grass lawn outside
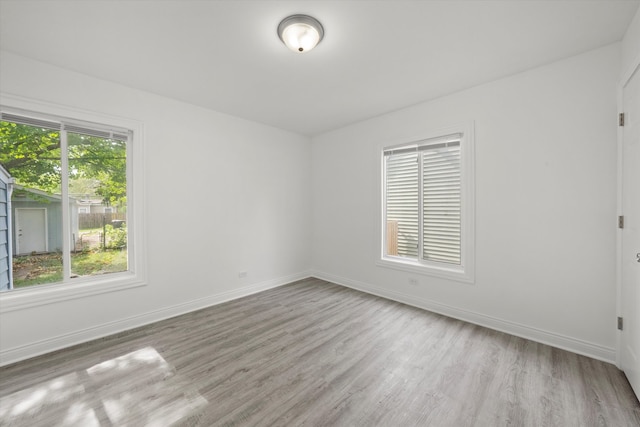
x=47 y=268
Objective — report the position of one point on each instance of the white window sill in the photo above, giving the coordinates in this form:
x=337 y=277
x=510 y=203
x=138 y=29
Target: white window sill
x=457 y=274
x=38 y=295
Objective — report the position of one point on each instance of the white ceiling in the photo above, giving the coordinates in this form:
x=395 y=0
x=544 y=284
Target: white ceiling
x=376 y=57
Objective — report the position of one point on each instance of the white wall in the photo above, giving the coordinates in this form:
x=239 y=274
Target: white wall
x=223 y=195
x=631 y=45
x=545 y=203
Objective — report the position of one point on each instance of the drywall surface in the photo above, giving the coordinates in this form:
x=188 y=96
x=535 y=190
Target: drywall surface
x=631 y=46
x=545 y=180
x=223 y=196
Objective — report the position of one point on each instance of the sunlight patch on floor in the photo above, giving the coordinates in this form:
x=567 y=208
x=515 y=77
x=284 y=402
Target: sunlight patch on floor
x=138 y=388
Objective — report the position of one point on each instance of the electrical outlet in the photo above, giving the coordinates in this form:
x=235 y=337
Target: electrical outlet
x=242 y=274
x=413 y=282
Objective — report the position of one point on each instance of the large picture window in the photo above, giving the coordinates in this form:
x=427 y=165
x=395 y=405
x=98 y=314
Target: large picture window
x=428 y=206
x=66 y=209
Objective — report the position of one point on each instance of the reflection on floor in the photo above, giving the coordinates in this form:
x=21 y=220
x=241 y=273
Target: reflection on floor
x=138 y=388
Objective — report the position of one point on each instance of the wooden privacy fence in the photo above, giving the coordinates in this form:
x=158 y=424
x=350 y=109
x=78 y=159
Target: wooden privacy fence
x=392 y=237
x=95 y=220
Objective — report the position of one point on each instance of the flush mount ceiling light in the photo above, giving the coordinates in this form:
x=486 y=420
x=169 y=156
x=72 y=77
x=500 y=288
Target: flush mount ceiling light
x=300 y=33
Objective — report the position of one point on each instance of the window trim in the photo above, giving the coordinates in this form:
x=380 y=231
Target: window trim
x=136 y=275
x=466 y=271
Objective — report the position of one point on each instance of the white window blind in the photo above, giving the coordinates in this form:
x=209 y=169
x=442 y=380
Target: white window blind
x=403 y=204
x=91 y=130
x=441 y=203
x=423 y=200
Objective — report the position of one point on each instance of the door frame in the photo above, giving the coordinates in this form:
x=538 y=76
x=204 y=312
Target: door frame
x=626 y=77
x=46 y=228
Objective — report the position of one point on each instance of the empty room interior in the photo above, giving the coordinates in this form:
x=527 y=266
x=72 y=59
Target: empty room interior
x=341 y=213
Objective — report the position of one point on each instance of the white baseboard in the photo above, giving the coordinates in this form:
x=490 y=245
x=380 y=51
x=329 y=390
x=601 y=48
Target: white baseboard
x=16 y=354
x=574 y=345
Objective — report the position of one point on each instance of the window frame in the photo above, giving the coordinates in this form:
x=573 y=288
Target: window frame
x=465 y=272
x=136 y=275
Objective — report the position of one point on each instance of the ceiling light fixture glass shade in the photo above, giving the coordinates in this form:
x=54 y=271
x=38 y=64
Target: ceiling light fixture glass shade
x=300 y=33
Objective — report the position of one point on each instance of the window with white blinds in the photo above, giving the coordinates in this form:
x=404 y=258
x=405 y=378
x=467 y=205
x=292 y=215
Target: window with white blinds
x=424 y=203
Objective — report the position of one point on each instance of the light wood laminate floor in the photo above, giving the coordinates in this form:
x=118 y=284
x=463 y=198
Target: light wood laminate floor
x=318 y=354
